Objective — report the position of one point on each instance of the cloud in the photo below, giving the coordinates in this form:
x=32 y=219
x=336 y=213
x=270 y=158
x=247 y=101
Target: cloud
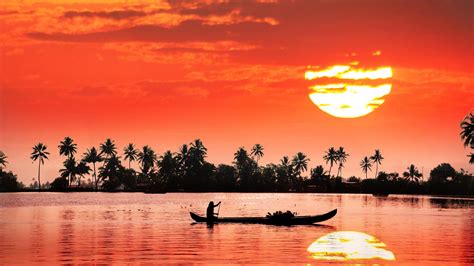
x=116 y=14
x=187 y=31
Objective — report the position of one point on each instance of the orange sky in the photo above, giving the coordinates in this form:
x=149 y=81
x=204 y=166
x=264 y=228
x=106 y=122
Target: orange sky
x=166 y=72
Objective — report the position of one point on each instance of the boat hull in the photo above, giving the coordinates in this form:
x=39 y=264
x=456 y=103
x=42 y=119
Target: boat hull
x=297 y=220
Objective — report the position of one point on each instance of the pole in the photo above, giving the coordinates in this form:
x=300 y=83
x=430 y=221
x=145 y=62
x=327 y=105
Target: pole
x=218 y=210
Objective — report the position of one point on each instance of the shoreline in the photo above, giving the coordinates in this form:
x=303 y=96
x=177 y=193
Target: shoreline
x=240 y=192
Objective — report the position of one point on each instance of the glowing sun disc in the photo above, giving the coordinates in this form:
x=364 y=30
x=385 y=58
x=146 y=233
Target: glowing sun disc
x=358 y=91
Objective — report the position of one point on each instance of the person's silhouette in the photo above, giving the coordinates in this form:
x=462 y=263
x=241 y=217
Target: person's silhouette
x=210 y=211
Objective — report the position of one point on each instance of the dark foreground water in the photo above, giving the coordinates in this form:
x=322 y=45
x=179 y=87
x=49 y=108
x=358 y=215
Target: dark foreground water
x=56 y=228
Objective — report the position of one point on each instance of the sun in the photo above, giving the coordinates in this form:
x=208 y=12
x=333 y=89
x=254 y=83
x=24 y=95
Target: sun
x=349 y=245
x=349 y=91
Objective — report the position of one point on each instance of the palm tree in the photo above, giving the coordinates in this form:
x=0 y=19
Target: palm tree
x=412 y=174
x=130 y=153
x=330 y=157
x=39 y=153
x=285 y=161
x=182 y=157
x=92 y=156
x=197 y=151
x=147 y=158
x=241 y=158
x=341 y=157
x=467 y=133
x=300 y=162
x=377 y=159
x=108 y=148
x=366 y=165
x=69 y=171
x=169 y=165
x=82 y=169
x=3 y=160
x=318 y=174
x=257 y=151
x=67 y=147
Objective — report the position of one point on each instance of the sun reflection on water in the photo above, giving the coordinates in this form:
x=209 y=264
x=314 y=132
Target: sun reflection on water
x=349 y=245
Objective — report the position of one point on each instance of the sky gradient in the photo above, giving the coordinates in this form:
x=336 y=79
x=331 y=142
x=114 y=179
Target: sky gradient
x=163 y=73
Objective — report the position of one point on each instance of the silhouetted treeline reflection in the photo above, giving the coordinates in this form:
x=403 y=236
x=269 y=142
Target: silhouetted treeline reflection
x=106 y=169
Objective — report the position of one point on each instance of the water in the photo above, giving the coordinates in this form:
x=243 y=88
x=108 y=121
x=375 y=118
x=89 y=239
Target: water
x=47 y=228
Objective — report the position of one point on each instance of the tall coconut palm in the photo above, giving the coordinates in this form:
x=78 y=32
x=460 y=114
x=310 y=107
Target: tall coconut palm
x=467 y=133
x=182 y=157
x=366 y=165
x=241 y=158
x=39 y=153
x=300 y=163
x=67 y=147
x=3 y=160
x=197 y=151
x=130 y=154
x=331 y=158
x=412 y=174
x=147 y=158
x=108 y=148
x=257 y=151
x=169 y=167
x=93 y=157
x=377 y=159
x=341 y=157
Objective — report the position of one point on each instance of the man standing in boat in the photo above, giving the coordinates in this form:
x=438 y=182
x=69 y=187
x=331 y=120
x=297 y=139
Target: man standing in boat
x=210 y=211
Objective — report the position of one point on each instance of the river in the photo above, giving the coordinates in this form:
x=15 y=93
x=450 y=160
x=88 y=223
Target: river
x=51 y=228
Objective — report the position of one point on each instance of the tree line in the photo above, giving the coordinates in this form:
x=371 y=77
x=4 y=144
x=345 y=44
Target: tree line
x=188 y=170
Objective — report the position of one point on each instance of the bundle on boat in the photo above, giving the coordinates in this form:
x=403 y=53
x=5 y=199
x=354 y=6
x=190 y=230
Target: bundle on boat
x=281 y=217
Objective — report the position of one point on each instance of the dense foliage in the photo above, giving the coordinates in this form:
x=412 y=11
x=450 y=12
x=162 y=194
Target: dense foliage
x=188 y=170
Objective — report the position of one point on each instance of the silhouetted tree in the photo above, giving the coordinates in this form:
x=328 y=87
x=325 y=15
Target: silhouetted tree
x=3 y=160
x=9 y=181
x=300 y=164
x=257 y=151
x=226 y=178
x=412 y=174
x=69 y=171
x=341 y=156
x=467 y=134
x=169 y=170
x=246 y=168
x=320 y=178
x=197 y=152
x=108 y=148
x=330 y=157
x=111 y=173
x=67 y=147
x=39 y=153
x=284 y=172
x=92 y=156
x=82 y=169
x=377 y=159
x=366 y=165
x=147 y=159
x=441 y=173
x=130 y=153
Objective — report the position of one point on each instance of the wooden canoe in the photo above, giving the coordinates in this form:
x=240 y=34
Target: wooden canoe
x=296 y=220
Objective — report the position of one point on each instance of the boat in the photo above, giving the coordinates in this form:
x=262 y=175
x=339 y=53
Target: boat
x=296 y=220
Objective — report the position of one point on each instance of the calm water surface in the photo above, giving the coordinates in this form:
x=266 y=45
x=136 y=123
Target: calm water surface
x=45 y=228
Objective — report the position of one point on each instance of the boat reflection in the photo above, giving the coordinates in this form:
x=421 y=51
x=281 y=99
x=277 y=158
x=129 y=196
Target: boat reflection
x=349 y=245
